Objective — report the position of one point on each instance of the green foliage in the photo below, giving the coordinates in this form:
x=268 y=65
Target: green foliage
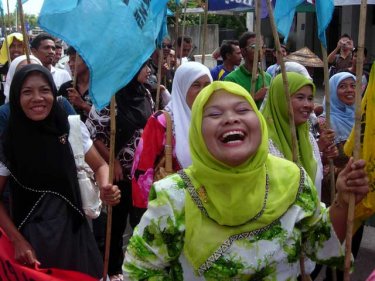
x=236 y=22
x=11 y=20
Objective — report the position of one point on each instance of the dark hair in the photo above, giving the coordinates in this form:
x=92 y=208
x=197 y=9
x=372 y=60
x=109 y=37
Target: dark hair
x=41 y=37
x=58 y=45
x=345 y=35
x=282 y=46
x=187 y=39
x=355 y=50
x=244 y=37
x=227 y=48
x=71 y=51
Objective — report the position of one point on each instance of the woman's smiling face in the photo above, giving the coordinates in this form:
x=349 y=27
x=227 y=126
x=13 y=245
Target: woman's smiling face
x=230 y=128
x=346 y=91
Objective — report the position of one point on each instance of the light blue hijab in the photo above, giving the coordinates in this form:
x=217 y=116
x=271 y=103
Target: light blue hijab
x=342 y=115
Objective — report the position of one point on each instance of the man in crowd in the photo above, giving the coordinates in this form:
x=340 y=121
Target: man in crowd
x=243 y=74
x=184 y=48
x=44 y=48
x=271 y=70
x=341 y=57
x=231 y=55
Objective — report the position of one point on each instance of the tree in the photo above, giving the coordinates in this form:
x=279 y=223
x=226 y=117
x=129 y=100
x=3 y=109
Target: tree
x=237 y=22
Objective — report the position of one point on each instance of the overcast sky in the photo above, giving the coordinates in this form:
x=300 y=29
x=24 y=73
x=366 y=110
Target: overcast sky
x=30 y=7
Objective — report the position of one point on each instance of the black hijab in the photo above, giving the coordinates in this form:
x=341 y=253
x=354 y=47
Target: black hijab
x=134 y=107
x=38 y=153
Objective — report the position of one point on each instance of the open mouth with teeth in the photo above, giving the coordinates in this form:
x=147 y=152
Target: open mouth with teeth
x=232 y=136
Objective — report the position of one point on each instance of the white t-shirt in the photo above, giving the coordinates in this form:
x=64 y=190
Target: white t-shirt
x=86 y=141
x=60 y=76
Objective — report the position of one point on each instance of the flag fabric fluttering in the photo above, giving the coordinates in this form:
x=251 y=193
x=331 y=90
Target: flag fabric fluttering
x=366 y=208
x=113 y=37
x=284 y=14
x=324 y=11
x=285 y=10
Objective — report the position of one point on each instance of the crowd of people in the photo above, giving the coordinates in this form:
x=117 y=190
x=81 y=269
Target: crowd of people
x=238 y=205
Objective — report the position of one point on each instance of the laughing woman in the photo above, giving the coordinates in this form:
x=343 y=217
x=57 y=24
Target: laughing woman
x=47 y=225
x=237 y=213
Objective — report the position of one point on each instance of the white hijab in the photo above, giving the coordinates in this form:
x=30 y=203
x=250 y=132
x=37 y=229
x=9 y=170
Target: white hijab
x=12 y=70
x=184 y=77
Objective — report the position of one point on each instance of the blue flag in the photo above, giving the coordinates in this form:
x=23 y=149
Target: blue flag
x=284 y=14
x=324 y=11
x=113 y=37
x=285 y=10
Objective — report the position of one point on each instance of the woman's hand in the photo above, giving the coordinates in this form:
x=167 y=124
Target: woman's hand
x=326 y=139
x=330 y=152
x=110 y=194
x=352 y=179
x=24 y=253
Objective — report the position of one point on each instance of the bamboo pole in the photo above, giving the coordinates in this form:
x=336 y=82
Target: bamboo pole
x=183 y=32
x=6 y=39
x=177 y=17
x=160 y=61
x=328 y=126
x=254 y=72
x=9 y=24
x=24 y=34
x=285 y=80
x=289 y=103
x=204 y=31
x=357 y=133
x=74 y=84
x=111 y=173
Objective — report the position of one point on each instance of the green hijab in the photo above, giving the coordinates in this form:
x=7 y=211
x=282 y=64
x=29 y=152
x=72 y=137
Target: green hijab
x=276 y=114
x=236 y=198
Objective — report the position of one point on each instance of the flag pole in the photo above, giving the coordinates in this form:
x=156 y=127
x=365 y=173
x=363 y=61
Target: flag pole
x=74 y=84
x=160 y=61
x=110 y=180
x=292 y=125
x=328 y=126
x=177 y=17
x=285 y=80
x=257 y=45
x=6 y=38
x=24 y=33
x=204 y=31
x=357 y=133
x=183 y=32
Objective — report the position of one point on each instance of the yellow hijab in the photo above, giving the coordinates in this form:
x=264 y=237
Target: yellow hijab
x=366 y=208
x=238 y=199
x=4 y=50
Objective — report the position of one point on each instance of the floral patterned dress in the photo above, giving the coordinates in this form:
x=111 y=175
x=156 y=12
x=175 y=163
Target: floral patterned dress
x=155 y=251
x=148 y=153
